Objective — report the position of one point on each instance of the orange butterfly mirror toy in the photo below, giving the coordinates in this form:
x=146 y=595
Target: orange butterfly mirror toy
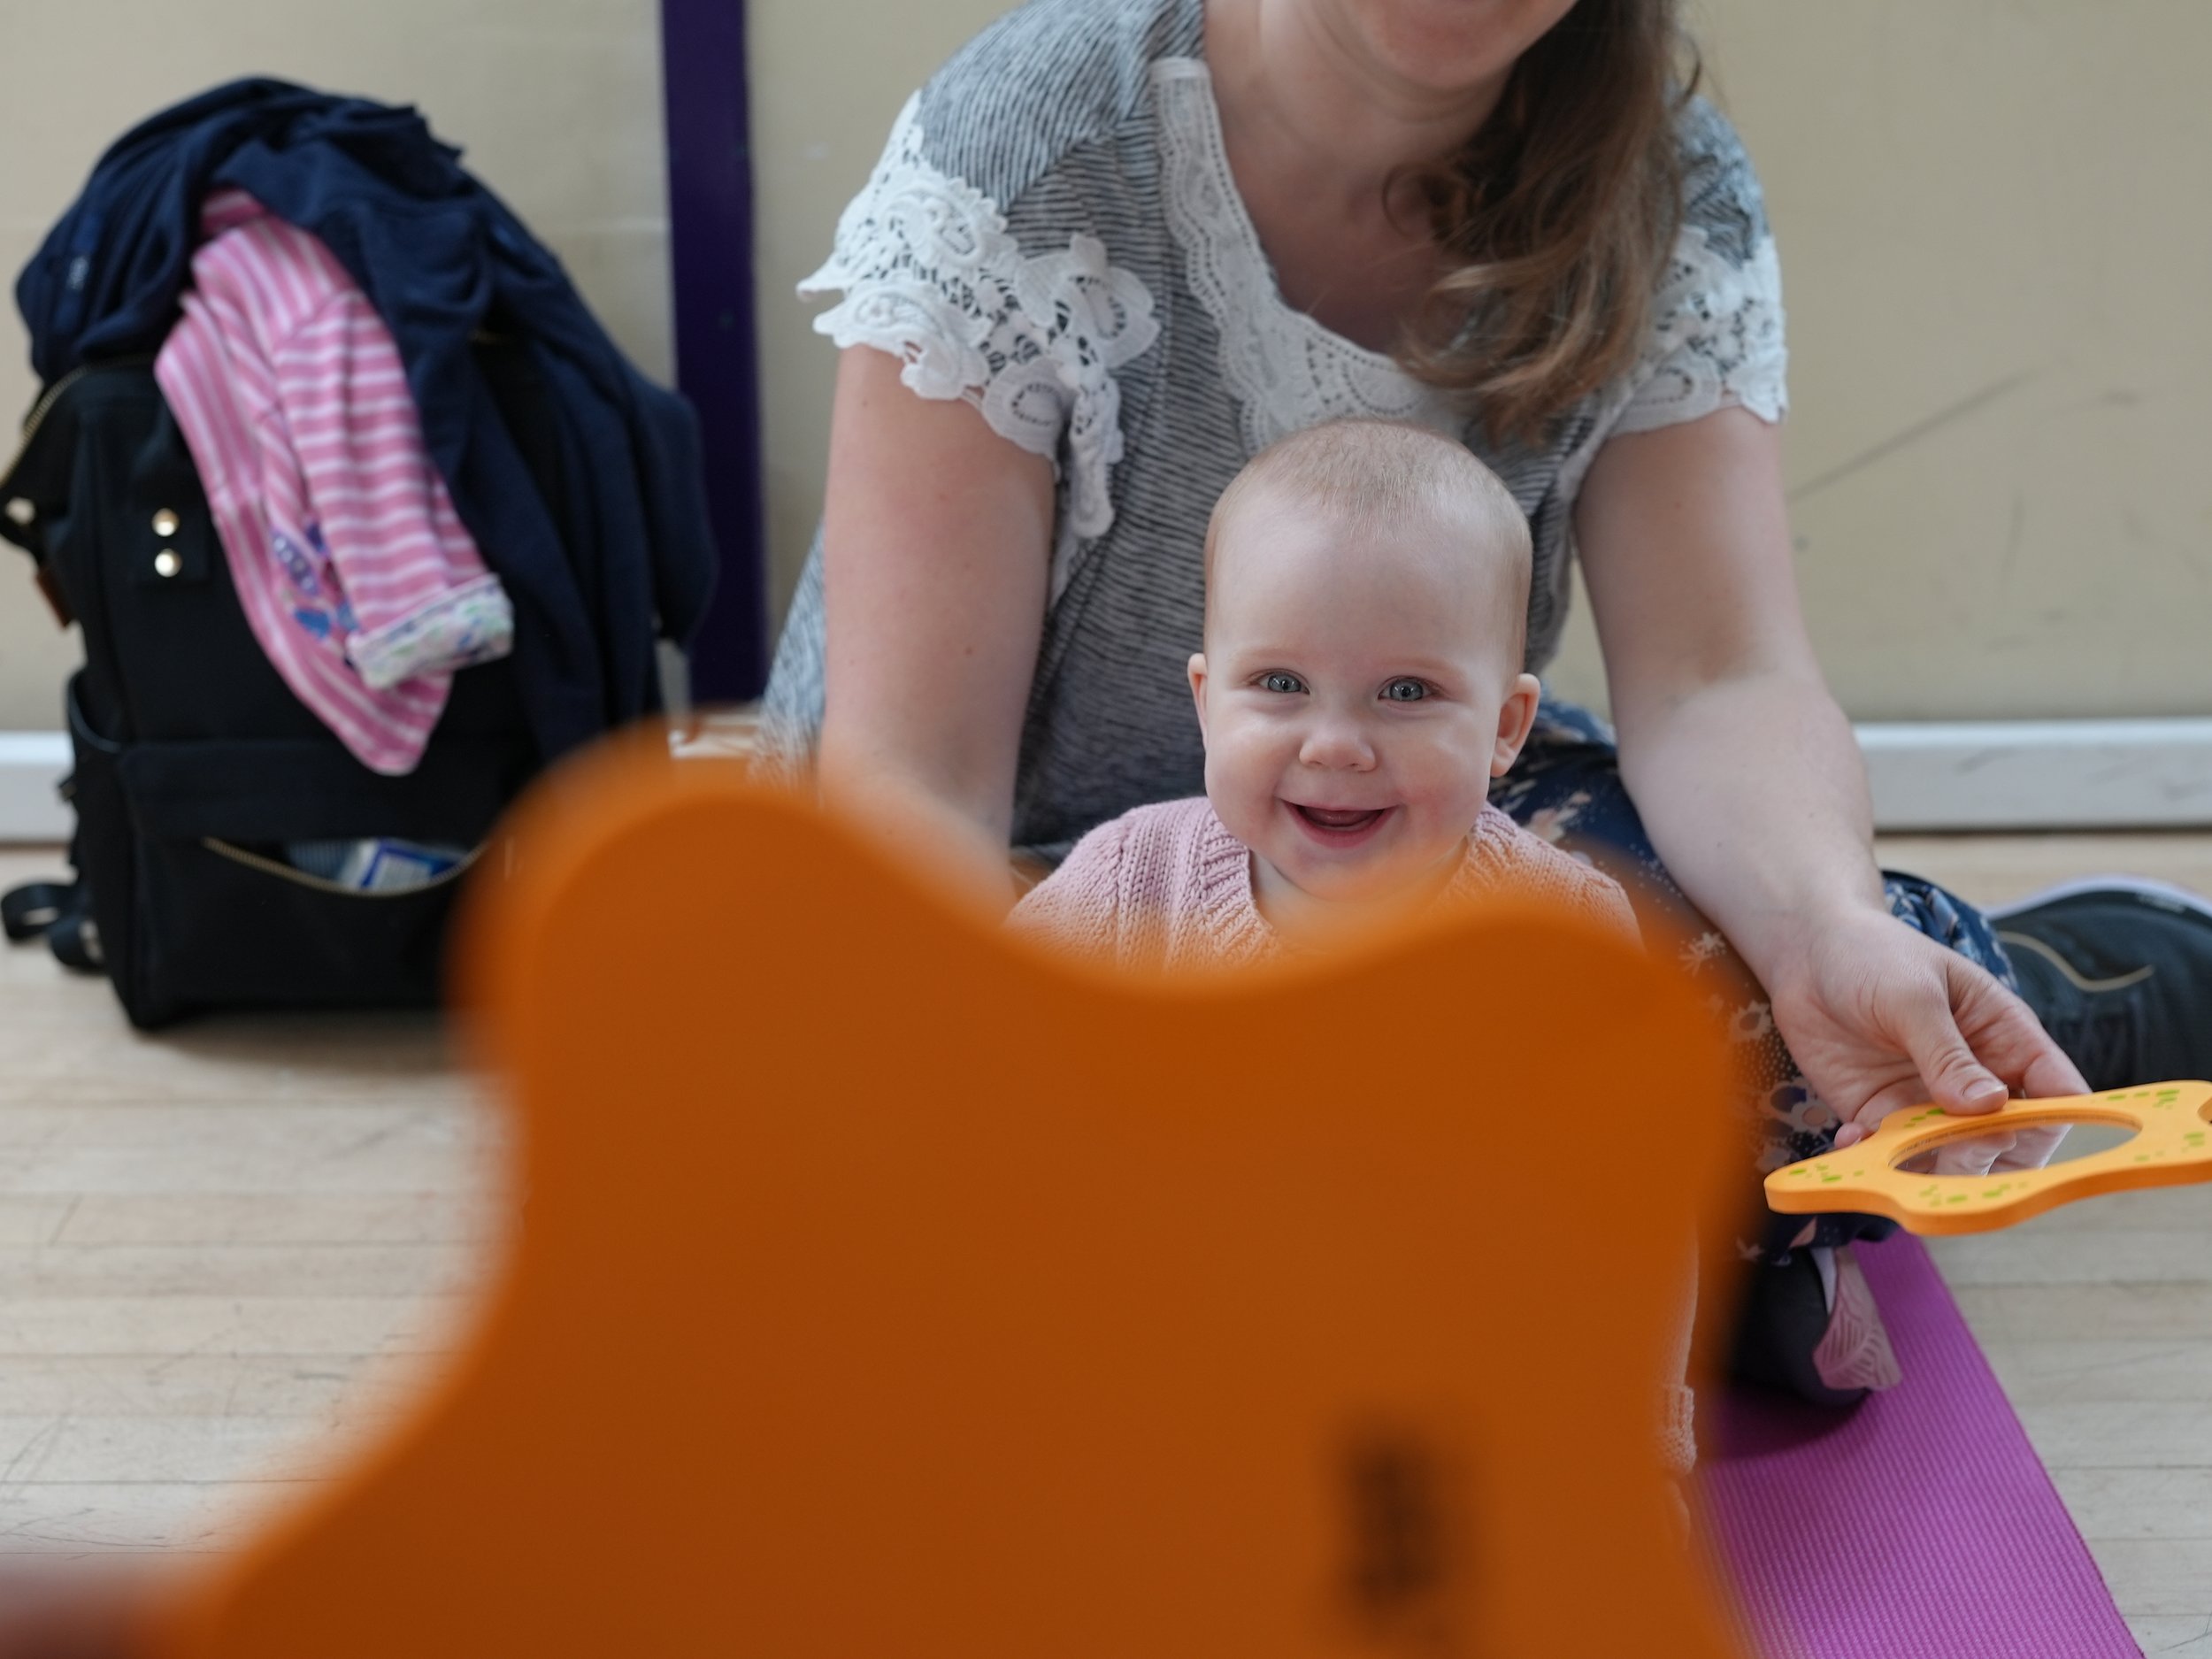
x=1937 y=1173
x=882 y=1286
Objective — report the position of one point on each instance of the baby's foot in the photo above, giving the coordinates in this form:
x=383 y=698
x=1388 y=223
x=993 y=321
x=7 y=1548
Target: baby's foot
x=1810 y=1327
x=1854 y=1351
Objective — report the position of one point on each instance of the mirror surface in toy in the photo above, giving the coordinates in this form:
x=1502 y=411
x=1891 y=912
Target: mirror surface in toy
x=2017 y=1145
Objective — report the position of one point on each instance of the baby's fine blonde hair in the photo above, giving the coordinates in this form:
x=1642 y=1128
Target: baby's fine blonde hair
x=1367 y=472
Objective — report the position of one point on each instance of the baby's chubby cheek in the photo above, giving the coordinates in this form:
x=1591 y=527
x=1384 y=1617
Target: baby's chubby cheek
x=1444 y=784
x=1240 y=790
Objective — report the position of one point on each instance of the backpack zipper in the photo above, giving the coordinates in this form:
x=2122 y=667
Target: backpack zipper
x=321 y=884
x=52 y=395
x=39 y=410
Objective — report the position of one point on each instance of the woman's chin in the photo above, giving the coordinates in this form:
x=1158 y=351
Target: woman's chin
x=1449 y=47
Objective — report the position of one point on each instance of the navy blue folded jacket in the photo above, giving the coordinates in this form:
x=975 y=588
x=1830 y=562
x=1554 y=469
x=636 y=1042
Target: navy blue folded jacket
x=593 y=577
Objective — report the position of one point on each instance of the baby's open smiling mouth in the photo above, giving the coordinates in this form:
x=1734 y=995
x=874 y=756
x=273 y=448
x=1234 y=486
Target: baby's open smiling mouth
x=1338 y=826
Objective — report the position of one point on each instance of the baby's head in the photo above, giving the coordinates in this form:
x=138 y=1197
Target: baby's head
x=1361 y=684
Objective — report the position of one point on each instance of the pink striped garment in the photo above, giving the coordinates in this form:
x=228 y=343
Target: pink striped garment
x=355 y=574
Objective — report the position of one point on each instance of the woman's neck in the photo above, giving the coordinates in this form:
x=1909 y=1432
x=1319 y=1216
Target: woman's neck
x=1304 y=97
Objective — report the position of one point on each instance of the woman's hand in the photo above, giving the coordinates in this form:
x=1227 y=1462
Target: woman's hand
x=1880 y=1017
x=1751 y=786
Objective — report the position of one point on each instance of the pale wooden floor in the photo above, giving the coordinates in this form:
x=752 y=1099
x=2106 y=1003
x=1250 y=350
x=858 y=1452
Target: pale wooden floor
x=222 y=1250
x=216 y=1248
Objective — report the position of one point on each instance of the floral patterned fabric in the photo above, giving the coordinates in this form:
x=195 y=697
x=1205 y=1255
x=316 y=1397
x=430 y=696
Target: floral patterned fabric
x=1566 y=788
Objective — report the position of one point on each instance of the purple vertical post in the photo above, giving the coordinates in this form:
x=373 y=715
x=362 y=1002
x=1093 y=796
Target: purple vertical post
x=718 y=358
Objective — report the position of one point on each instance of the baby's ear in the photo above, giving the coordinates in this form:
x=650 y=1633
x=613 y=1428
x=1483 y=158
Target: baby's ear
x=1196 y=669
x=1517 y=718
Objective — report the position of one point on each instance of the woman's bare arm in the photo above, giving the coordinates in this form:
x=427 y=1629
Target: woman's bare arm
x=1744 y=769
x=936 y=545
x=1750 y=785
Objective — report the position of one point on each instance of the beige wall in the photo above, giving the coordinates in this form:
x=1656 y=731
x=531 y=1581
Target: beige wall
x=556 y=103
x=1994 y=226
x=828 y=78
x=1996 y=238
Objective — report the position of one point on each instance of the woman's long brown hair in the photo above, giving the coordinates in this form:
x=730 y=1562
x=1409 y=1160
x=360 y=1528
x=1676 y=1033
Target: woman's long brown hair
x=1557 y=218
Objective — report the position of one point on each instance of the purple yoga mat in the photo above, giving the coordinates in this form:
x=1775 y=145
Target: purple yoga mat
x=1922 y=1524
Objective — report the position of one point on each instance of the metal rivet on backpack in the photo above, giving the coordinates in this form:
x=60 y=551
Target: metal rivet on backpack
x=164 y=523
x=22 y=511
x=167 y=563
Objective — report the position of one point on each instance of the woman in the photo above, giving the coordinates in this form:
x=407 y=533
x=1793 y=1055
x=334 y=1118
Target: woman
x=1116 y=246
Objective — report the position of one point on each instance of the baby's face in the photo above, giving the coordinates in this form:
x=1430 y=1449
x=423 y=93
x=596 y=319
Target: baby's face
x=1358 y=692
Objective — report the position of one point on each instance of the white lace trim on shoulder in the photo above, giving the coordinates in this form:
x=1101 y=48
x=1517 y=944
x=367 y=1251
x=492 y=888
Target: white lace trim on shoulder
x=1716 y=339
x=930 y=273
x=1286 y=371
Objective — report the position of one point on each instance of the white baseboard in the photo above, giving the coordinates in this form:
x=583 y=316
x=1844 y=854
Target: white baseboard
x=31 y=763
x=2040 y=774
x=1973 y=775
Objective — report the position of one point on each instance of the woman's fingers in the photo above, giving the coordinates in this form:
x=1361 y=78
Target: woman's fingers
x=1885 y=1019
x=2035 y=1145
x=2006 y=1033
x=1976 y=1154
x=1910 y=1091
x=1935 y=1030
x=1940 y=1064
x=1970 y=1046
x=2049 y=1074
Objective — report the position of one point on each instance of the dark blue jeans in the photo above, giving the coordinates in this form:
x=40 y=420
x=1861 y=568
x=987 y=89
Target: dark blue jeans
x=1566 y=788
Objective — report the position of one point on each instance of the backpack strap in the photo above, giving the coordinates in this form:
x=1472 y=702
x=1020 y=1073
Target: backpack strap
x=36 y=906
x=62 y=911
x=74 y=939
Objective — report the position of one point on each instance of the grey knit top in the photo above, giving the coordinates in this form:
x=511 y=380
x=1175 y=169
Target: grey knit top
x=1054 y=234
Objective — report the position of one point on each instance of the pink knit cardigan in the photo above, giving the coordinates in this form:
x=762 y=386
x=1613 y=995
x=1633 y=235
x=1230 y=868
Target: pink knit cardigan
x=1168 y=886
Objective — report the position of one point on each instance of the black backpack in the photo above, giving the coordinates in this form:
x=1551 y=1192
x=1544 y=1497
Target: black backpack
x=195 y=764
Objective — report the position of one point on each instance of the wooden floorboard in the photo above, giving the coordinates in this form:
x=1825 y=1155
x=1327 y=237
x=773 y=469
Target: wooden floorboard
x=2097 y=1317
x=225 y=1250
x=1999 y=869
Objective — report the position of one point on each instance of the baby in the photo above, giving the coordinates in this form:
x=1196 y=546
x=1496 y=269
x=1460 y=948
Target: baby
x=1361 y=685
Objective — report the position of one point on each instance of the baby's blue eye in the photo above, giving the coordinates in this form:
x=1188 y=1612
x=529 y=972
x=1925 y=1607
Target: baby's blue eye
x=1281 y=683
x=1405 y=691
